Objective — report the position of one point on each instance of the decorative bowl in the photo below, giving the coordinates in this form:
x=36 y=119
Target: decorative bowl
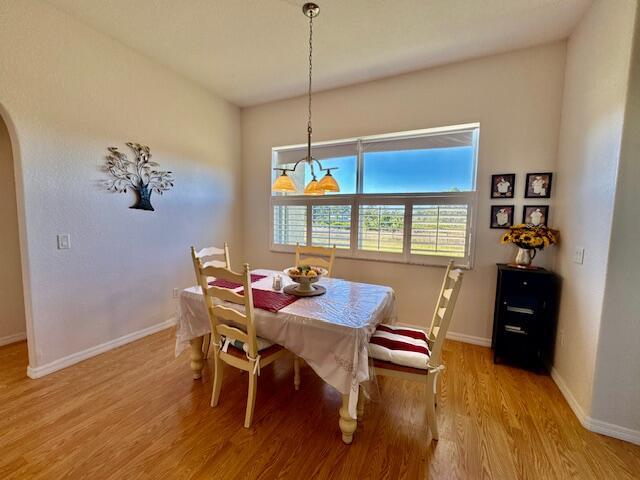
x=304 y=278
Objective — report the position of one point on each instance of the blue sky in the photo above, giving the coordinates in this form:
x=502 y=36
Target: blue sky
x=432 y=170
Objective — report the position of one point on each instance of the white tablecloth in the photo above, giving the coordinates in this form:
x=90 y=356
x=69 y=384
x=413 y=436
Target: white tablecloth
x=330 y=332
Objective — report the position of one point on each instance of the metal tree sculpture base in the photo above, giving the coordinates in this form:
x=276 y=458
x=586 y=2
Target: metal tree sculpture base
x=143 y=201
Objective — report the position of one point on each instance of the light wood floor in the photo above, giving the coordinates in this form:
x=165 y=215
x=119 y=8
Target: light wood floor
x=135 y=412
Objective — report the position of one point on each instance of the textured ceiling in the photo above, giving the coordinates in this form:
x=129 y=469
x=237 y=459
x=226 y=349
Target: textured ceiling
x=254 y=51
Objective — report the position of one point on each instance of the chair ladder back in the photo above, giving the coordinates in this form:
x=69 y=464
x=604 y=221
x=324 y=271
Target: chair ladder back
x=316 y=256
x=197 y=265
x=227 y=257
x=248 y=309
x=227 y=330
x=225 y=320
x=205 y=255
x=225 y=294
x=441 y=302
x=453 y=281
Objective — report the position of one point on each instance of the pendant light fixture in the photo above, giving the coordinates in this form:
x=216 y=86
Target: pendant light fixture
x=328 y=183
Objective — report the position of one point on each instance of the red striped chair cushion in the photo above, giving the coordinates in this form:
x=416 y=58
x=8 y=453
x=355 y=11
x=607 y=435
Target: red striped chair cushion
x=400 y=345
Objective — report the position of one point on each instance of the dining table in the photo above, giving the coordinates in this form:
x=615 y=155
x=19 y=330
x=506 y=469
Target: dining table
x=330 y=332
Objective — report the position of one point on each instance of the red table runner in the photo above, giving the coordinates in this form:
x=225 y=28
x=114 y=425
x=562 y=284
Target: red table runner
x=271 y=301
x=232 y=285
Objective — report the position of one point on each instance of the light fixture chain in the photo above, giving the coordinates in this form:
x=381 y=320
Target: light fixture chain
x=309 y=129
x=327 y=184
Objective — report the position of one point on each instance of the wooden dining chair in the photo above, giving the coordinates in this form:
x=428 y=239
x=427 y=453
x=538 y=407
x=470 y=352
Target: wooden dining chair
x=210 y=256
x=234 y=334
x=415 y=354
x=316 y=256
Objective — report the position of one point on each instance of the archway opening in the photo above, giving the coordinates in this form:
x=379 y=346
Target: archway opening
x=13 y=329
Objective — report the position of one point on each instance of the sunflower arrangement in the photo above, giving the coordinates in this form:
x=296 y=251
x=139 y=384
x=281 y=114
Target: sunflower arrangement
x=530 y=236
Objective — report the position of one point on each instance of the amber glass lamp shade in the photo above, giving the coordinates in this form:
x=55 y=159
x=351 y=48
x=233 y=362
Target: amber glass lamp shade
x=284 y=184
x=329 y=184
x=313 y=188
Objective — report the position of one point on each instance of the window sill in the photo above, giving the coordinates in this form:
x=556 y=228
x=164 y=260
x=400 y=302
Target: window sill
x=427 y=262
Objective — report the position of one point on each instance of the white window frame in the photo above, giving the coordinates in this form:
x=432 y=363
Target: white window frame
x=408 y=200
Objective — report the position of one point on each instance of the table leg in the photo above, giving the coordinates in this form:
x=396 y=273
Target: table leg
x=360 y=403
x=296 y=373
x=196 y=357
x=347 y=423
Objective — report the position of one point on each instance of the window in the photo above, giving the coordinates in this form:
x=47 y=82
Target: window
x=289 y=224
x=342 y=156
x=426 y=164
x=405 y=197
x=439 y=230
x=381 y=228
x=331 y=225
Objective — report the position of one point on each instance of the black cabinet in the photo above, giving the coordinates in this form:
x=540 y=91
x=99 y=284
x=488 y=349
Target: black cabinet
x=524 y=323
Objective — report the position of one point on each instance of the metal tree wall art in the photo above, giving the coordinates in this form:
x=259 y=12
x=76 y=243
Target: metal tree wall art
x=139 y=175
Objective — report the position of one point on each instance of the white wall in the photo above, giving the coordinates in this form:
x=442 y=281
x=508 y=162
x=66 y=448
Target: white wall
x=12 y=321
x=616 y=391
x=597 y=70
x=516 y=97
x=69 y=93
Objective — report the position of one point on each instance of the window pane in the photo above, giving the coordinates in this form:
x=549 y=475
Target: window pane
x=381 y=228
x=441 y=162
x=345 y=174
x=342 y=157
x=331 y=225
x=290 y=224
x=439 y=230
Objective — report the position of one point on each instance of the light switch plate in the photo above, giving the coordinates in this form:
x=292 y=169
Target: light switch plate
x=64 y=241
x=578 y=255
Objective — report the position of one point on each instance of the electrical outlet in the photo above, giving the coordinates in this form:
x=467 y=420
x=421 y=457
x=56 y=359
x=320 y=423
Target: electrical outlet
x=64 y=241
x=175 y=292
x=578 y=255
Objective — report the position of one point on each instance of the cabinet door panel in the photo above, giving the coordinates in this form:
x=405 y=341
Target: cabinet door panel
x=522 y=284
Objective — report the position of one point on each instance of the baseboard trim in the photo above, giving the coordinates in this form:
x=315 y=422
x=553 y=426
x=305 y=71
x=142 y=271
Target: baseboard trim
x=568 y=395
x=64 y=362
x=16 y=337
x=613 y=430
x=460 y=337
x=463 y=337
x=590 y=423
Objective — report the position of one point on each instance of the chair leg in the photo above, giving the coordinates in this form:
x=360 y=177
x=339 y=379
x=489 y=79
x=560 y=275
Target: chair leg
x=217 y=379
x=205 y=346
x=296 y=373
x=251 y=399
x=431 y=408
